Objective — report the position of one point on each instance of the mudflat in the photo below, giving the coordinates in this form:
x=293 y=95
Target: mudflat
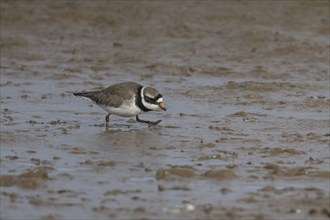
x=246 y=134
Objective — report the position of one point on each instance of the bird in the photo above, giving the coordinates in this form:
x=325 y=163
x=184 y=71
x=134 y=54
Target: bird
x=127 y=99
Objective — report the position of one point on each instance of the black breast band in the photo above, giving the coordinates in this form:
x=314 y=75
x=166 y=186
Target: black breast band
x=138 y=100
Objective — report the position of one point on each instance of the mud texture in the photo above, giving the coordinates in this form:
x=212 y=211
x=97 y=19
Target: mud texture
x=246 y=134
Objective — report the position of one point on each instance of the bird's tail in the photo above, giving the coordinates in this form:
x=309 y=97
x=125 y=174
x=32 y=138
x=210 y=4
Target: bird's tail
x=91 y=95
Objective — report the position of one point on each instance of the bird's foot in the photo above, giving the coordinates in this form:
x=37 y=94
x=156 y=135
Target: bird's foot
x=150 y=123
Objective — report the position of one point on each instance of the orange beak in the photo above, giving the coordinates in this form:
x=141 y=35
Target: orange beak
x=162 y=106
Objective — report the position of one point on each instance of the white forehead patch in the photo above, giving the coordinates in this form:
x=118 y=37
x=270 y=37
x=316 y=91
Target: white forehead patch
x=159 y=100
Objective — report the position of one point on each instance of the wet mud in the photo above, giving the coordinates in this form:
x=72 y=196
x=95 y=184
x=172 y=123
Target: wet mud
x=246 y=134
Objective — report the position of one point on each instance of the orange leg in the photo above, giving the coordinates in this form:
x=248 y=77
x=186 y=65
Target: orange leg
x=107 y=118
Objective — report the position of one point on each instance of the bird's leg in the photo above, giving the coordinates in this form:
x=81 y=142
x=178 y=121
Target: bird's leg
x=107 y=120
x=147 y=122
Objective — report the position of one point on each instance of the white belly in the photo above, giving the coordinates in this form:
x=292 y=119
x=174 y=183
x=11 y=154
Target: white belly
x=127 y=109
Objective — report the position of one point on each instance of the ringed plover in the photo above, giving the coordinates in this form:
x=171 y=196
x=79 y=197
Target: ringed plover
x=127 y=99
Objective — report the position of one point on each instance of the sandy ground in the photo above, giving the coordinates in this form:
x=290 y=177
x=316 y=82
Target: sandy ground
x=246 y=134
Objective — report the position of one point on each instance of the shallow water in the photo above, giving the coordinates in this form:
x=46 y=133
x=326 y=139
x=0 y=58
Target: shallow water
x=246 y=134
